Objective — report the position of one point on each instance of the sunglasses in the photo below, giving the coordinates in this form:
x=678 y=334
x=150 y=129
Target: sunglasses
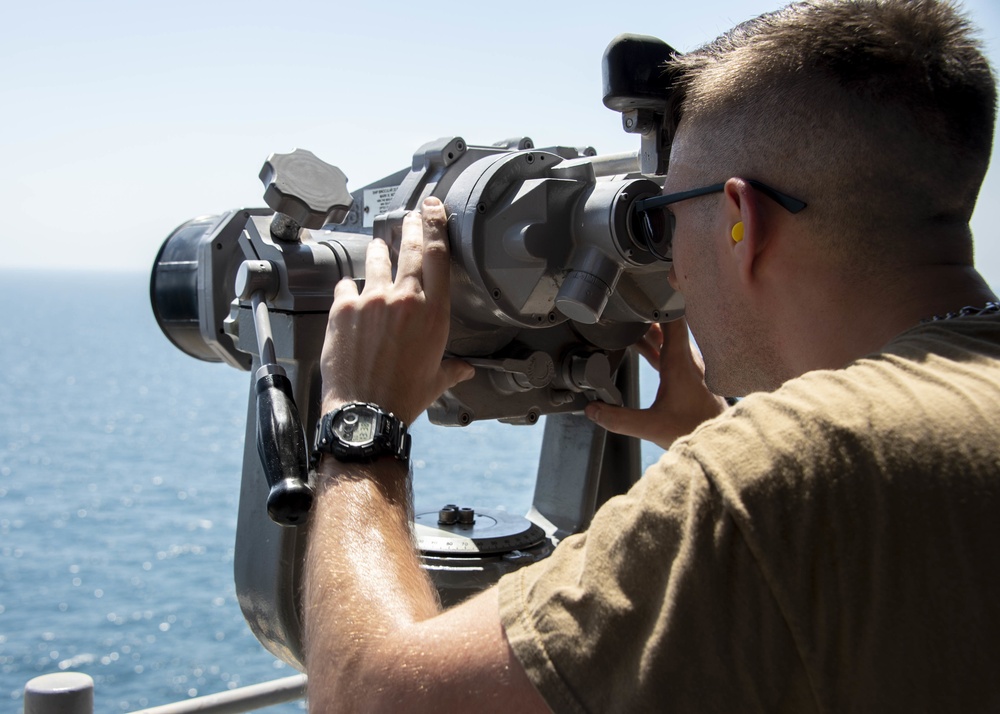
x=660 y=236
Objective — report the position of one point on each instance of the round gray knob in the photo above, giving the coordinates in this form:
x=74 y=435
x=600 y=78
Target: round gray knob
x=305 y=188
x=583 y=297
x=587 y=286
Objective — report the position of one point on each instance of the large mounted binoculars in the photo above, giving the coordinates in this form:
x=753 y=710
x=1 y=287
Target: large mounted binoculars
x=555 y=274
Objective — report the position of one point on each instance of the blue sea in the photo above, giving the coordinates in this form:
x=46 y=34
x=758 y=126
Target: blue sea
x=120 y=462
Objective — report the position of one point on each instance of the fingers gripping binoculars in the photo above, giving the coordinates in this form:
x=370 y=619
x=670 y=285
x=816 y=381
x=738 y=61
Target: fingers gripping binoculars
x=554 y=275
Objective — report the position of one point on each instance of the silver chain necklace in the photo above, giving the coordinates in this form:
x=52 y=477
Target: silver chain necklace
x=967 y=311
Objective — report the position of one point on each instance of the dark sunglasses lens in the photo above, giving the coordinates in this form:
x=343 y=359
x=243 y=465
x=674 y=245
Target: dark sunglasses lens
x=657 y=229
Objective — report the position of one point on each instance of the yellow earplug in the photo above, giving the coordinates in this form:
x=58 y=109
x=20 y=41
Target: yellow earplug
x=738 y=231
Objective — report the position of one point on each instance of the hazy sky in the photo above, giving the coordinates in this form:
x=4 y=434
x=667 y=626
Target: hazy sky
x=122 y=120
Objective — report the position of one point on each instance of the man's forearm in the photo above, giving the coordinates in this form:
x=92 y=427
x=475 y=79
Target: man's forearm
x=376 y=639
x=363 y=578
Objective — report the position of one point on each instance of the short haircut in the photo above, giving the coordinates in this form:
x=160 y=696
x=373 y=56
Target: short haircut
x=878 y=113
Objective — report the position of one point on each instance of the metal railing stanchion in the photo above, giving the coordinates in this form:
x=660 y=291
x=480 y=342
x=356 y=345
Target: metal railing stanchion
x=60 y=693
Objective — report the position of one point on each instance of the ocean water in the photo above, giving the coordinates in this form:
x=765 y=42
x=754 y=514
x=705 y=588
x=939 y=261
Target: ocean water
x=120 y=463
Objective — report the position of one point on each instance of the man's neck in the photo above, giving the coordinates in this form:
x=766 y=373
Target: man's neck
x=830 y=328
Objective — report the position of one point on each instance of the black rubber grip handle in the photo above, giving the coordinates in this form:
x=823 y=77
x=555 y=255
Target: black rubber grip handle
x=282 y=449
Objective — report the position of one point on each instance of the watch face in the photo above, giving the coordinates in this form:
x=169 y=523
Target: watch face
x=356 y=426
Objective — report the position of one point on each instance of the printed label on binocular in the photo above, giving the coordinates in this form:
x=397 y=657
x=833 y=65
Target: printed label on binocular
x=377 y=201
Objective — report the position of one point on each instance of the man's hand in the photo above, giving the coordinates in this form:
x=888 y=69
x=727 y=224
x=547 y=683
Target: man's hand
x=386 y=344
x=682 y=400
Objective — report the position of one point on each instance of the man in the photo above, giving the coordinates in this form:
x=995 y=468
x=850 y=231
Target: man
x=826 y=544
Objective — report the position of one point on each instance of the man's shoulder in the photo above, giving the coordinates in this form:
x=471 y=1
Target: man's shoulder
x=950 y=342
x=917 y=406
x=870 y=499
x=930 y=381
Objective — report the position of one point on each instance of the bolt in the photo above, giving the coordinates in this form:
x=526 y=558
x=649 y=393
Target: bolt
x=448 y=515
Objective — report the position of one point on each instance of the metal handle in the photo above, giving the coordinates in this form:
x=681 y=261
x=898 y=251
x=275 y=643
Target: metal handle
x=282 y=449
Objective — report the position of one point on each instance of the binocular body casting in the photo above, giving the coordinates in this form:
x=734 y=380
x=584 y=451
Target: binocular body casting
x=551 y=276
x=554 y=274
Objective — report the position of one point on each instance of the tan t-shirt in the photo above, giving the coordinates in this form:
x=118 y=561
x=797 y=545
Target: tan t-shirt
x=831 y=546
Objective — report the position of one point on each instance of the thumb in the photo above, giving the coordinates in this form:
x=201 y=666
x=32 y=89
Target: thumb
x=676 y=344
x=454 y=371
x=621 y=420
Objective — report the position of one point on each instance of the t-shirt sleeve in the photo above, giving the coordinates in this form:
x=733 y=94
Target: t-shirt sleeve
x=659 y=606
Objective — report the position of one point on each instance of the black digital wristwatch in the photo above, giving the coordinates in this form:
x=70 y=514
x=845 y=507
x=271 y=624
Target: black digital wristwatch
x=361 y=432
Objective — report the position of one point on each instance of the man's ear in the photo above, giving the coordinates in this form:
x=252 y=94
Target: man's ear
x=744 y=225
